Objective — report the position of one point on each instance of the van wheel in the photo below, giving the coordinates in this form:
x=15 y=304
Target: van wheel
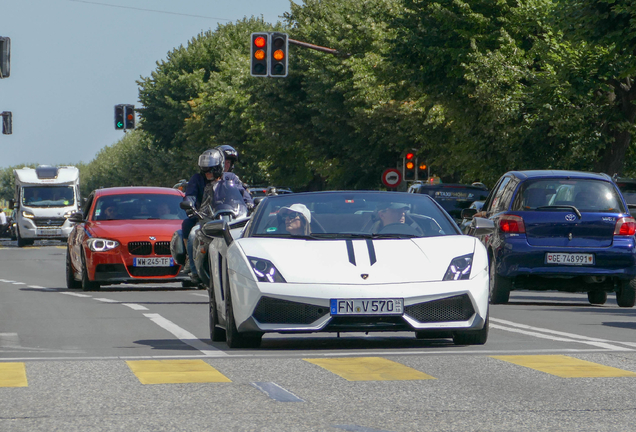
x=499 y=286
x=597 y=297
x=22 y=242
x=626 y=294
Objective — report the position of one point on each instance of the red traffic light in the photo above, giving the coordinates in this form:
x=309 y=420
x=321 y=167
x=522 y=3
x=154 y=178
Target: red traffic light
x=409 y=156
x=260 y=41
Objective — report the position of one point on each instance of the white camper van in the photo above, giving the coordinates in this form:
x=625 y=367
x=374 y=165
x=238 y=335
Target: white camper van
x=44 y=199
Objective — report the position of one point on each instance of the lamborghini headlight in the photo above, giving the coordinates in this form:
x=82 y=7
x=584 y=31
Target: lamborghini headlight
x=265 y=271
x=459 y=268
x=101 y=245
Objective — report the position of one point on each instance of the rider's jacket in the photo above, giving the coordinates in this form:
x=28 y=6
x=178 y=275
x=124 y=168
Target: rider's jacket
x=196 y=187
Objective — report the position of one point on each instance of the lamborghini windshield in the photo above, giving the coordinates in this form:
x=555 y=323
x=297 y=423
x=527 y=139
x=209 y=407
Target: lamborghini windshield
x=321 y=215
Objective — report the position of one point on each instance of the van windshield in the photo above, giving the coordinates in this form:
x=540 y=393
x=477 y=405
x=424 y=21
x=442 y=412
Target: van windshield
x=48 y=196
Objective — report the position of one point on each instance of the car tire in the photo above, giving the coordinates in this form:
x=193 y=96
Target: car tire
x=499 y=286
x=234 y=339
x=217 y=334
x=472 y=337
x=626 y=294
x=87 y=284
x=597 y=297
x=71 y=282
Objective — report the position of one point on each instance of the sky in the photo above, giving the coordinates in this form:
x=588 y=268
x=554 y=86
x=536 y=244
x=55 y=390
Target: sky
x=72 y=61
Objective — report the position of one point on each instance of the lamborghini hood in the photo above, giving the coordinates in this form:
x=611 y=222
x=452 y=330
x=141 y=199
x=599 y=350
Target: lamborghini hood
x=360 y=261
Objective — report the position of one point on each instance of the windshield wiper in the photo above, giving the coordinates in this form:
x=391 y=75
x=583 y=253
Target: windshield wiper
x=574 y=209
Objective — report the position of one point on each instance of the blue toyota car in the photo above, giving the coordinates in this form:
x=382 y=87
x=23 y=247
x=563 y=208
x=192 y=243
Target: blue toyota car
x=560 y=230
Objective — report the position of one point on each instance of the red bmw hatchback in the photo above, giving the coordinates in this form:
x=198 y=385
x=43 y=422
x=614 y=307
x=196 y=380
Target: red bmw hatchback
x=123 y=236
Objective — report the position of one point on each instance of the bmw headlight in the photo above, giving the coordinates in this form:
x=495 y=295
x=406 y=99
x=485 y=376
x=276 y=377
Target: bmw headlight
x=265 y=271
x=101 y=245
x=459 y=268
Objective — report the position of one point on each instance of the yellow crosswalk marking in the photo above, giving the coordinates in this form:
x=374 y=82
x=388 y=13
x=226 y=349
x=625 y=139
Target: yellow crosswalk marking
x=13 y=375
x=175 y=372
x=369 y=369
x=565 y=366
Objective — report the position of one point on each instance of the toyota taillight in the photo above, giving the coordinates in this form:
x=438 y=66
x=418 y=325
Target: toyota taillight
x=512 y=224
x=625 y=226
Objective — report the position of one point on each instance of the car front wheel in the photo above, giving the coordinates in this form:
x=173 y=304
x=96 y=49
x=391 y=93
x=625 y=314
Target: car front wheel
x=472 y=337
x=71 y=283
x=87 y=284
x=235 y=339
x=499 y=286
x=626 y=294
x=217 y=334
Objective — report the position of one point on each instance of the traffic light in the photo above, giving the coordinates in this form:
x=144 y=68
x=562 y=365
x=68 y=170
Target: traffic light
x=5 y=57
x=259 y=54
x=7 y=122
x=119 y=117
x=422 y=173
x=409 y=166
x=278 y=59
x=129 y=116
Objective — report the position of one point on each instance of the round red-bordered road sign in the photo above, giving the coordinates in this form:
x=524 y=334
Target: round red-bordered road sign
x=391 y=177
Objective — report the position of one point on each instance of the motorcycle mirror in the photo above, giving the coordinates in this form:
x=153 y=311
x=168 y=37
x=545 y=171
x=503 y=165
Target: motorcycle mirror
x=185 y=205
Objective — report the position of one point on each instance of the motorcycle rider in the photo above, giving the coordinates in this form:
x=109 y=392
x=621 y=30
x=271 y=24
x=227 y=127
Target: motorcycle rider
x=211 y=165
x=231 y=157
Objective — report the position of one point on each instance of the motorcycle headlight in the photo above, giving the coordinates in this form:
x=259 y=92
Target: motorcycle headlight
x=265 y=271
x=27 y=214
x=101 y=245
x=459 y=268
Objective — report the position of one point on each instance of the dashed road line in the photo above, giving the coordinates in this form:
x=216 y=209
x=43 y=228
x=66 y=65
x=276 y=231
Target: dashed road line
x=557 y=335
x=175 y=372
x=134 y=306
x=185 y=336
x=74 y=294
x=276 y=392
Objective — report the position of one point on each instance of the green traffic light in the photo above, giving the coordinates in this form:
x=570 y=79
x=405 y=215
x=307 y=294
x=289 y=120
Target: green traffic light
x=120 y=125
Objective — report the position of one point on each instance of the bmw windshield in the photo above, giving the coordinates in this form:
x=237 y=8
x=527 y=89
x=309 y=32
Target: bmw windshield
x=323 y=215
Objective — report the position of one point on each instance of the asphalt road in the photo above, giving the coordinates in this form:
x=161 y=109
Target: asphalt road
x=138 y=357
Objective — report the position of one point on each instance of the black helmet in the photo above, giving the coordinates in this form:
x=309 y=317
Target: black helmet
x=230 y=154
x=212 y=161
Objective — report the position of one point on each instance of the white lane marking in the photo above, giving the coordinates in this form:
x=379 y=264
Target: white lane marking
x=200 y=295
x=276 y=392
x=39 y=287
x=105 y=300
x=134 y=306
x=75 y=294
x=7 y=281
x=185 y=336
x=553 y=335
x=18 y=283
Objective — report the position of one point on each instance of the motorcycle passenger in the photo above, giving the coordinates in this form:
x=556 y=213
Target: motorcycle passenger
x=211 y=163
x=231 y=157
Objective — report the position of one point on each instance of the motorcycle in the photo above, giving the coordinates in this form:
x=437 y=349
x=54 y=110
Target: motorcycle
x=224 y=202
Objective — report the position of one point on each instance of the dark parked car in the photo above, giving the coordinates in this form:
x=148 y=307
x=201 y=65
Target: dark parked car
x=628 y=189
x=452 y=197
x=560 y=230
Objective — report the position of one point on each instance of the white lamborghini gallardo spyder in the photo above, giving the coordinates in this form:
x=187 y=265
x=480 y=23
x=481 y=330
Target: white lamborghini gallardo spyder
x=359 y=261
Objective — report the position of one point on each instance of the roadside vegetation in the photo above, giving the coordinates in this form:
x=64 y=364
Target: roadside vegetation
x=478 y=88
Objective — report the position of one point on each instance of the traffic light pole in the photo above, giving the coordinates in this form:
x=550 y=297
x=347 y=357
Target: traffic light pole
x=318 y=48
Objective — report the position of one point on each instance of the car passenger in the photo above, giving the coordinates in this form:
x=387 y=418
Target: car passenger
x=110 y=212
